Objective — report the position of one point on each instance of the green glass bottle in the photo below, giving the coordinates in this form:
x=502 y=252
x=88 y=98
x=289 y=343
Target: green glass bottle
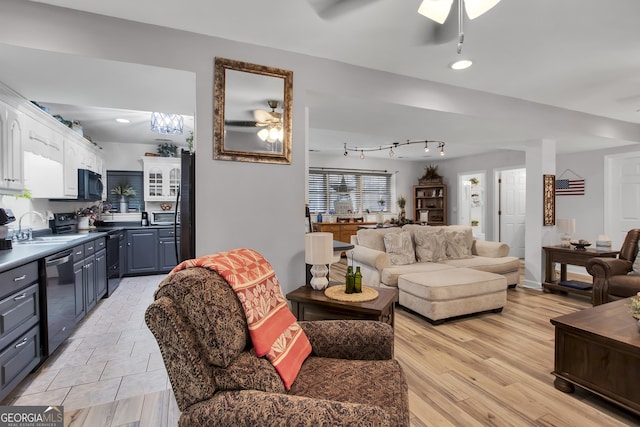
x=357 y=285
x=350 y=281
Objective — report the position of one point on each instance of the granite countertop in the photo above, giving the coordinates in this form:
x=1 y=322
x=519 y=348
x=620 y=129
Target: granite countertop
x=22 y=253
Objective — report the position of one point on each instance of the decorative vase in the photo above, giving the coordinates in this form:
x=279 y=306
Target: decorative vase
x=123 y=208
x=403 y=214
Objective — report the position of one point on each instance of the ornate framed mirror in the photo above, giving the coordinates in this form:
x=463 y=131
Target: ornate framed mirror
x=252 y=112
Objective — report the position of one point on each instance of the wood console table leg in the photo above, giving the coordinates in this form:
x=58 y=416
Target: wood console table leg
x=564 y=385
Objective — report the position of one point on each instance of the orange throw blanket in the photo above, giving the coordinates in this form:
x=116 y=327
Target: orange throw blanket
x=274 y=331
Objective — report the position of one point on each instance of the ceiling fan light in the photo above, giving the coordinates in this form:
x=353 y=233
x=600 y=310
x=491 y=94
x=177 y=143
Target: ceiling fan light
x=436 y=10
x=263 y=134
x=476 y=8
x=462 y=64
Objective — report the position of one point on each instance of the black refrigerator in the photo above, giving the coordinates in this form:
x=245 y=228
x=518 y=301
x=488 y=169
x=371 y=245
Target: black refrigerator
x=187 y=203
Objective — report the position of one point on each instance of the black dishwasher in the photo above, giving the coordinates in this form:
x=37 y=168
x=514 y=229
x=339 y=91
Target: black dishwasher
x=60 y=297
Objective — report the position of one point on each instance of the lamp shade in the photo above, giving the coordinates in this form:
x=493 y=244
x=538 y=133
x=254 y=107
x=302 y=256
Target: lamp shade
x=318 y=248
x=567 y=225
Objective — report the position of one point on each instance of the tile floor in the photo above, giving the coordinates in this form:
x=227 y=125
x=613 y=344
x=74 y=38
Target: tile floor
x=111 y=355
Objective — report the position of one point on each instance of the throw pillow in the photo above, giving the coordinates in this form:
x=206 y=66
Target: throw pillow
x=430 y=245
x=399 y=247
x=456 y=247
x=636 y=263
x=273 y=328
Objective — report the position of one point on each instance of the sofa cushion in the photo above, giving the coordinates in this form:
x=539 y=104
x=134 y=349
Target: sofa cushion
x=389 y=275
x=500 y=265
x=457 y=246
x=430 y=245
x=399 y=246
x=372 y=382
x=373 y=238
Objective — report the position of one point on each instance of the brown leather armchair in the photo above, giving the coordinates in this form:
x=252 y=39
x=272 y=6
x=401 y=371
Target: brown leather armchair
x=611 y=280
x=350 y=378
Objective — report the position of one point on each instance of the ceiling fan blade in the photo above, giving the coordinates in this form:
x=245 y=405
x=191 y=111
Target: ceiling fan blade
x=243 y=123
x=436 y=10
x=262 y=115
x=435 y=34
x=331 y=9
x=476 y=8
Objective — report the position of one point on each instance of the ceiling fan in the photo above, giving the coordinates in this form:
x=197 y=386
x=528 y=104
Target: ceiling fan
x=438 y=11
x=270 y=121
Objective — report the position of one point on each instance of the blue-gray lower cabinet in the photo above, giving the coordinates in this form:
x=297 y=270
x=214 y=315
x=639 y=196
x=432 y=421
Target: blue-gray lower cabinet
x=142 y=251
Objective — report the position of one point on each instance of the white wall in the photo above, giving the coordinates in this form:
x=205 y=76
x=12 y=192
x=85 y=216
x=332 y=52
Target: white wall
x=262 y=205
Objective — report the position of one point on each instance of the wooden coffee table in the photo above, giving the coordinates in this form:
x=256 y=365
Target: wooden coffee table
x=598 y=349
x=309 y=304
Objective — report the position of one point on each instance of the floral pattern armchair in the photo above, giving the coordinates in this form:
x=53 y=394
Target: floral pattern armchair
x=350 y=379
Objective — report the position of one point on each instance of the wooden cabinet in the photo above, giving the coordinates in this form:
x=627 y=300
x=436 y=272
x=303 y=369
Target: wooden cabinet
x=101 y=273
x=342 y=231
x=167 y=258
x=142 y=251
x=161 y=178
x=19 y=325
x=11 y=141
x=90 y=272
x=150 y=251
x=432 y=199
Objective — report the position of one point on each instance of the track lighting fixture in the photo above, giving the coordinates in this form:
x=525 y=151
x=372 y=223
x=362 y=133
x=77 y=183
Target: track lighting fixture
x=393 y=146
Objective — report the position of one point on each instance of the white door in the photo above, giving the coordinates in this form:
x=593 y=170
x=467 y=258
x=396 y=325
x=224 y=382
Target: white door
x=622 y=196
x=512 y=209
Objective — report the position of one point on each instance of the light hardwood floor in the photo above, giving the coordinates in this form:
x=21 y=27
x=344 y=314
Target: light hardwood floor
x=486 y=370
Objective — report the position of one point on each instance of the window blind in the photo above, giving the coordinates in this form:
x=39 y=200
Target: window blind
x=363 y=189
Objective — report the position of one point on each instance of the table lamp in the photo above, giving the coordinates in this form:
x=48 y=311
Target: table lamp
x=568 y=227
x=318 y=251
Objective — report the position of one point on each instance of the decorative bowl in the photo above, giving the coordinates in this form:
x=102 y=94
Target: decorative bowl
x=580 y=246
x=165 y=206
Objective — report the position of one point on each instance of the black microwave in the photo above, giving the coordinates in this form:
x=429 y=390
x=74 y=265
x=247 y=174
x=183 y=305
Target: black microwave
x=89 y=185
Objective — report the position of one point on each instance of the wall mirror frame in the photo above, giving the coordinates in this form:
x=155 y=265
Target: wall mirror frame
x=244 y=99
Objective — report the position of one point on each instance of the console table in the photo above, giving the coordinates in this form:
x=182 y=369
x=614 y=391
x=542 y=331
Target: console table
x=598 y=349
x=571 y=256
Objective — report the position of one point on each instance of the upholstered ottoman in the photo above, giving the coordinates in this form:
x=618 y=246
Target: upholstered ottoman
x=440 y=295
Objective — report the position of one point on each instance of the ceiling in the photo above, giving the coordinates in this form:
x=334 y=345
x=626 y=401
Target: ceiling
x=580 y=55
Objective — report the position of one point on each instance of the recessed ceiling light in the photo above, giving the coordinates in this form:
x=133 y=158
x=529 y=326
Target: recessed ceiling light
x=122 y=120
x=461 y=65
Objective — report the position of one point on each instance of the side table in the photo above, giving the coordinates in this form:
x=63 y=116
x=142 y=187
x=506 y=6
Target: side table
x=564 y=256
x=309 y=304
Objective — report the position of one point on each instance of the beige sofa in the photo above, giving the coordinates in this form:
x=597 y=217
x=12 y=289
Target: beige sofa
x=370 y=253
x=440 y=272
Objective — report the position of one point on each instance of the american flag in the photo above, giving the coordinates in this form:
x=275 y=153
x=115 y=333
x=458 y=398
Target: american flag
x=569 y=187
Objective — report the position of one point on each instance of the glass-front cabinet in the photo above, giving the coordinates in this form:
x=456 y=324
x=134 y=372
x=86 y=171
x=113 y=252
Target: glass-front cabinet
x=161 y=178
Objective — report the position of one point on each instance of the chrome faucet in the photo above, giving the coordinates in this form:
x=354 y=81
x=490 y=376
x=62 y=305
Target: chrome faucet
x=25 y=214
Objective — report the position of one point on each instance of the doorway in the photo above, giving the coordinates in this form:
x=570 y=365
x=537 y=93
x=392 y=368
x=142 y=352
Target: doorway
x=471 y=202
x=511 y=186
x=621 y=195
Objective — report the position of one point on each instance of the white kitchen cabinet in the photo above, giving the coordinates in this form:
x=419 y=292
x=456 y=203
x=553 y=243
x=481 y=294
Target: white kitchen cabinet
x=42 y=140
x=11 y=137
x=161 y=178
x=71 y=166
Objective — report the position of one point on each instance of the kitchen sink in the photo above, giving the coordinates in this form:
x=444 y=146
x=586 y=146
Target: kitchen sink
x=41 y=240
